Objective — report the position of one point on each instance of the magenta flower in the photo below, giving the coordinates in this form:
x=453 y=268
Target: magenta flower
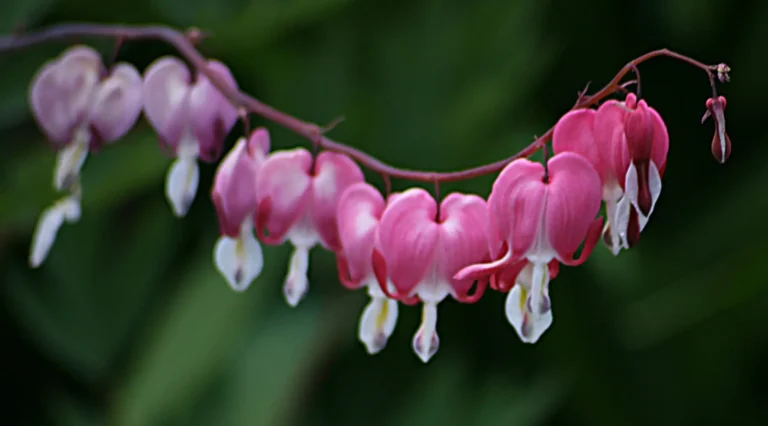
x=538 y=217
x=421 y=247
x=359 y=214
x=237 y=254
x=298 y=198
x=627 y=143
x=79 y=106
x=721 y=143
x=192 y=119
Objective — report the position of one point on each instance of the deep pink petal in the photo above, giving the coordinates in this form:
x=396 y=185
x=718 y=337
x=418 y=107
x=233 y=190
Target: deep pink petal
x=284 y=184
x=342 y=269
x=61 y=93
x=166 y=98
x=212 y=115
x=463 y=240
x=505 y=279
x=234 y=189
x=359 y=209
x=408 y=238
x=333 y=174
x=118 y=103
x=660 y=141
x=611 y=140
x=484 y=270
x=573 y=200
x=574 y=132
x=516 y=204
x=259 y=143
x=593 y=236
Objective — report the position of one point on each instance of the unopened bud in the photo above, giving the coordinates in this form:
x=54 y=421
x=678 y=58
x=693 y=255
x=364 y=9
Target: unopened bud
x=722 y=73
x=721 y=143
x=639 y=132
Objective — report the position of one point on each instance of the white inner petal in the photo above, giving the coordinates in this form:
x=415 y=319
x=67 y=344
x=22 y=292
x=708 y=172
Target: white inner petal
x=654 y=186
x=617 y=227
x=303 y=232
x=541 y=251
x=240 y=260
x=426 y=341
x=528 y=327
x=377 y=323
x=70 y=160
x=181 y=181
x=67 y=209
x=539 y=296
x=296 y=281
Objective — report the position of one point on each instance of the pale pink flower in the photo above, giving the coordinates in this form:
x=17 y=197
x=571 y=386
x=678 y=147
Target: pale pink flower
x=297 y=201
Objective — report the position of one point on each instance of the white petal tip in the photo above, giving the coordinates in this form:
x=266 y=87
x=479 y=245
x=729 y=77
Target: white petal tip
x=426 y=351
x=296 y=283
x=426 y=342
x=239 y=260
x=529 y=327
x=66 y=209
x=69 y=162
x=376 y=344
x=377 y=323
x=181 y=185
x=293 y=295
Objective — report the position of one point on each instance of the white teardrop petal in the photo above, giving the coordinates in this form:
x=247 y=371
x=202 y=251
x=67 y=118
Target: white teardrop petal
x=239 y=260
x=377 y=323
x=296 y=281
x=654 y=186
x=67 y=209
x=181 y=184
x=69 y=162
x=528 y=327
x=426 y=341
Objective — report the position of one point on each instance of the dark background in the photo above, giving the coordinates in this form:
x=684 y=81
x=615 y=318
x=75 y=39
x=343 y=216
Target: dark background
x=128 y=322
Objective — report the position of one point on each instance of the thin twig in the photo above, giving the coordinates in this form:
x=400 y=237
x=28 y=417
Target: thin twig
x=312 y=132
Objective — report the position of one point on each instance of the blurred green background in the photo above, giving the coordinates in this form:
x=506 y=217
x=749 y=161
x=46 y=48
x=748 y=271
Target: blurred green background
x=128 y=322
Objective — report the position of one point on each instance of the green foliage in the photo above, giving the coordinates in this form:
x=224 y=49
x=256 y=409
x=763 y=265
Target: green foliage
x=129 y=324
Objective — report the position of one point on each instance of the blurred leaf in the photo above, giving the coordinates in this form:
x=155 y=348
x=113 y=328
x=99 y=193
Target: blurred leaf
x=436 y=398
x=130 y=166
x=678 y=305
x=102 y=277
x=65 y=410
x=14 y=14
x=274 y=17
x=190 y=345
x=529 y=405
x=271 y=377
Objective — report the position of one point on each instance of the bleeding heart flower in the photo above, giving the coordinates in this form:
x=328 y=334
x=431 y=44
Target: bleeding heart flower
x=79 y=106
x=237 y=254
x=421 y=247
x=721 y=143
x=538 y=216
x=627 y=143
x=192 y=119
x=297 y=200
x=359 y=212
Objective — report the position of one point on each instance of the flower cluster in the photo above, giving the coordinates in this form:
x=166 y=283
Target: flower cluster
x=404 y=248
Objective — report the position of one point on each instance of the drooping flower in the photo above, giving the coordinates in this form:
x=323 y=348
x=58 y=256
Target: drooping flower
x=297 y=201
x=538 y=217
x=627 y=143
x=359 y=212
x=237 y=253
x=192 y=119
x=721 y=143
x=422 y=246
x=79 y=106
